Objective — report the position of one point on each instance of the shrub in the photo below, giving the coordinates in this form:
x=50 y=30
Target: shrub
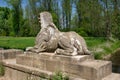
x=60 y=76
x=2 y=70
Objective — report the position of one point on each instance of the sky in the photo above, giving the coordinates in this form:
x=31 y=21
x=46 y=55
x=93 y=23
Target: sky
x=4 y=4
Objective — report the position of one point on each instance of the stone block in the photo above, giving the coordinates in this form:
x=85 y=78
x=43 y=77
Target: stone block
x=24 y=60
x=53 y=66
x=15 y=71
x=95 y=70
x=71 y=69
x=9 y=53
x=39 y=63
x=32 y=61
x=113 y=76
x=90 y=70
x=10 y=74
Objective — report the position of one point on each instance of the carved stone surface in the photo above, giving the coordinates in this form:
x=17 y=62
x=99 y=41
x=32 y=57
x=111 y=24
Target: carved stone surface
x=50 y=39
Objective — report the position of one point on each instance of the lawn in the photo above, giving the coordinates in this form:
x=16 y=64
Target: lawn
x=97 y=45
x=16 y=42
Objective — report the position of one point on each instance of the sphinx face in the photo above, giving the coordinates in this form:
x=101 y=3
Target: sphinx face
x=45 y=19
x=42 y=22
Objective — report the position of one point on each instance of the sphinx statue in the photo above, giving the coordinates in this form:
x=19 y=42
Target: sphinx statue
x=50 y=39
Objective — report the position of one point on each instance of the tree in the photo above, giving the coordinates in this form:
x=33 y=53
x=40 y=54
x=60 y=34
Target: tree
x=66 y=13
x=89 y=18
x=5 y=27
x=116 y=18
x=17 y=14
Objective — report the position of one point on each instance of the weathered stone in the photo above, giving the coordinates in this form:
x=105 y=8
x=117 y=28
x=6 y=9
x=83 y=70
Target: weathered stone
x=83 y=66
x=28 y=61
x=49 y=61
x=24 y=59
x=87 y=70
x=9 y=53
x=50 y=39
x=112 y=76
x=15 y=71
x=95 y=70
x=1 y=48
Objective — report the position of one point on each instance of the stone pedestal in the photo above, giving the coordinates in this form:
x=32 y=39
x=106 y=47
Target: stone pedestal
x=82 y=67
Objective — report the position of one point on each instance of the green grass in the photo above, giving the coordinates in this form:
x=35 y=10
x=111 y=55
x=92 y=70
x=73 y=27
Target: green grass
x=94 y=41
x=16 y=42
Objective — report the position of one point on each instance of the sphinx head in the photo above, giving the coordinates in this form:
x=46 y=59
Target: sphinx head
x=45 y=19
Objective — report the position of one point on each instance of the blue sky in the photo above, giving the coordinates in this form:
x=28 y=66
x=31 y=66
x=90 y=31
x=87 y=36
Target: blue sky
x=4 y=4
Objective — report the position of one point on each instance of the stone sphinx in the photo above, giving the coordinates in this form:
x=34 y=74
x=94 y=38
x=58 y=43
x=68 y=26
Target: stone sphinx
x=50 y=39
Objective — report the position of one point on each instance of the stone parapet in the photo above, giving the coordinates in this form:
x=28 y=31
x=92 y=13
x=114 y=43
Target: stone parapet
x=9 y=53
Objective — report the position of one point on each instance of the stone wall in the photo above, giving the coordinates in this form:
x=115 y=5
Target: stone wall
x=9 y=53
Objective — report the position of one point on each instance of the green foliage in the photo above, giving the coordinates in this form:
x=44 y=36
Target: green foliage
x=16 y=15
x=98 y=56
x=2 y=70
x=94 y=41
x=106 y=47
x=100 y=18
x=4 y=21
x=101 y=47
x=115 y=56
x=80 y=31
x=116 y=25
x=60 y=76
x=25 y=29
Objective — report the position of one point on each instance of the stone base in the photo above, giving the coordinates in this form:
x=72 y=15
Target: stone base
x=81 y=66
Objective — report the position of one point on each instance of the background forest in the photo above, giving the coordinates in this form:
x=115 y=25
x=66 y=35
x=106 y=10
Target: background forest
x=94 y=18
